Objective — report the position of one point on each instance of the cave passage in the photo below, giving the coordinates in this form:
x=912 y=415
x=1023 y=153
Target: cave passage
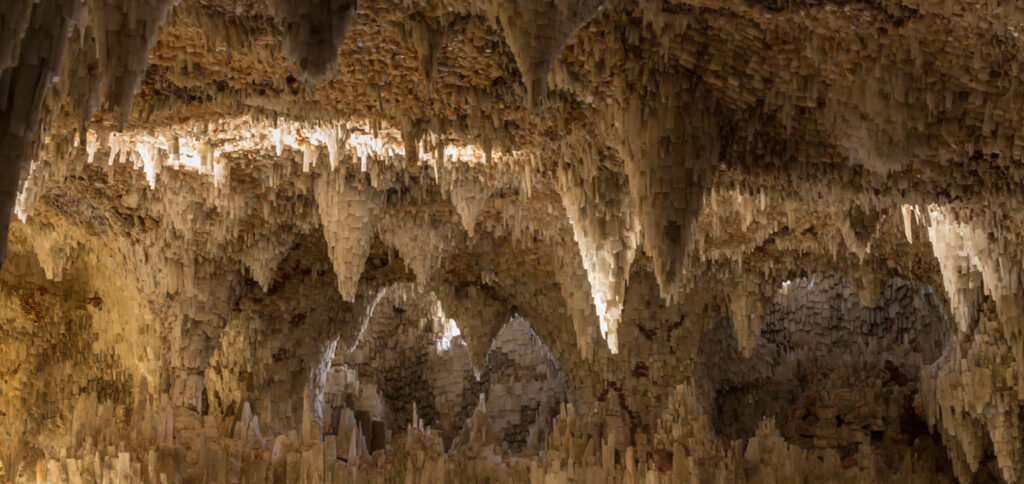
x=659 y=241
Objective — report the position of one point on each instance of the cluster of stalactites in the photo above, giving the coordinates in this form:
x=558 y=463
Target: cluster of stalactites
x=974 y=393
x=208 y=148
x=107 y=44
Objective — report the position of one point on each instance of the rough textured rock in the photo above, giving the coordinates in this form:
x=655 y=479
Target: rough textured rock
x=511 y=240
x=312 y=31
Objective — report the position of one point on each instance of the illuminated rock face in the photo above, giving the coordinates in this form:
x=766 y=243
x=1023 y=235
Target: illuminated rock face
x=511 y=240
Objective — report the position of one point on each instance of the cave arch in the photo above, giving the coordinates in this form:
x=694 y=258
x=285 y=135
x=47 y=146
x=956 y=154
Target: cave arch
x=826 y=367
x=410 y=353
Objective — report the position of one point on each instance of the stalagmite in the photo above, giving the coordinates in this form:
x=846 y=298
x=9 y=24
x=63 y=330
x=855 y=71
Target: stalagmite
x=478 y=436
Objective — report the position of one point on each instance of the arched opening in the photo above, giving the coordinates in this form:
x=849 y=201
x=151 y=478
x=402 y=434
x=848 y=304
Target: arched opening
x=524 y=386
x=411 y=355
x=832 y=373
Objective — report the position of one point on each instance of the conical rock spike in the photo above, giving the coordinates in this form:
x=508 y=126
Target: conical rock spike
x=313 y=32
x=536 y=32
x=349 y=216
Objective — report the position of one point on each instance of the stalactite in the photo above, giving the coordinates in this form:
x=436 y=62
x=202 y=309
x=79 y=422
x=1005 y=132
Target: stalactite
x=428 y=36
x=336 y=137
x=313 y=31
x=536 y=31
x=469 y=193
x=24 y=116
x=125 y=33
x=479 y=317
x=14 y=23
x=84 y=77
x=263 y=257
x=55 y=253
x=607 y=233
x=424 y=245
x=349 y=214
x=412 y=132
x=746 y=309
x=669 y=162
x=579 y=300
